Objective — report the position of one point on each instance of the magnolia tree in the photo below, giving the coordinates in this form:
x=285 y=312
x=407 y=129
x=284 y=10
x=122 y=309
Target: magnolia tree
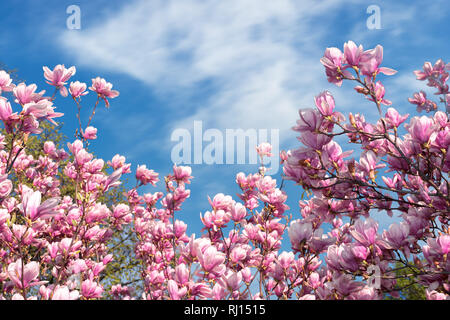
x=57 y=246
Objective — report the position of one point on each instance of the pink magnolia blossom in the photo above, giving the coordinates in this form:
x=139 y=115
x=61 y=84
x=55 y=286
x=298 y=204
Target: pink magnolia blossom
x=34 y=209
x=333 y=60
x=63 y=293
x=90 y=133
x=5 y=109
x=299 y=231
x=421 y=128
x=352 y=53
x=182 y=173
x=264 y=149
x=325 y=103
x=365 y=232
x=58 y=77
x=397 y=235
x=103 y=89
x=6 y=187
x=5 y=82
x=370 y=62
x=78 y=89
x=379 y=94
x=175 y=292
x=25 y=94
x=420 y=99
x=212 y=260
x=26 y=277
x=146 y=176
x=394 y=118
x=91 y=289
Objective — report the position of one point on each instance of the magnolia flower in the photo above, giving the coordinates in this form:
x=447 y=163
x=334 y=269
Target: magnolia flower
x=63 y=293
x=421 y=128
x=90 y=133
x=146 y=176
x=394 y=118
x=310 y=120
x=103 y=89
x=379 y=90
x=182 y=173
x=26 y=277
x=113 y=179
x=91 y=289
x=78 y=89
x=33 y=208
x=325 y=103
x=365 y=231
x=264 y=149
x=212 y=260
x=370 y=62
x=299 y=231
x=175 y=292
x=352 y=53
x=5 y=109
x=333 y=61
x=58 y=77
x=368 y=163
x=5 y=82
x=5 y=187
x=25 y=94
x=397 y=235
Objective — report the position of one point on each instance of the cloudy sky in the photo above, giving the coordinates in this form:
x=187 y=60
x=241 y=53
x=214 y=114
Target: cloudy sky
x=232 y=64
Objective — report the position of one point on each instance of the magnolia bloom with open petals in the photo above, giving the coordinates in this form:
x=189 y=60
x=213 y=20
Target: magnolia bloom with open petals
x=352 y=53
x=264 y=149
x=394 y=118
x=299 y=231
x=370 y=62
x=421 y=128
x=32 y=207
x=182 y=173
x=63 y=293
x=365 y=231
x=422 y=103
x=6 y=187
x=91 y=289
x=90 y=133
x=5 y=109
x=368 y=163
x=212 y=260
x=26 y=277
x=398 y=235
x=333 y=61
x=58 y=77
x=113 y=180
x=103 y=89
x=78 y=89
x=431 y=72
x=325 y=103
x=146 y=176
x=175 y=292
x=5 y=82
x=379 y=90
x=25 y=94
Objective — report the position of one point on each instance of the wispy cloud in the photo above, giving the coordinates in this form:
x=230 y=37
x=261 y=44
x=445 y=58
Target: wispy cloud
x=261 y=62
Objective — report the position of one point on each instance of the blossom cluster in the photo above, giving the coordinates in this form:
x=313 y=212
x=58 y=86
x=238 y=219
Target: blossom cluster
x=56 y=245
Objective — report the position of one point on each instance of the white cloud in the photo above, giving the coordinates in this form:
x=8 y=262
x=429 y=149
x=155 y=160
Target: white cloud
x=261 y=58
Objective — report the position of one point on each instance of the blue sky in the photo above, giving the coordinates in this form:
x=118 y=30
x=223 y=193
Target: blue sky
x=247 y=64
